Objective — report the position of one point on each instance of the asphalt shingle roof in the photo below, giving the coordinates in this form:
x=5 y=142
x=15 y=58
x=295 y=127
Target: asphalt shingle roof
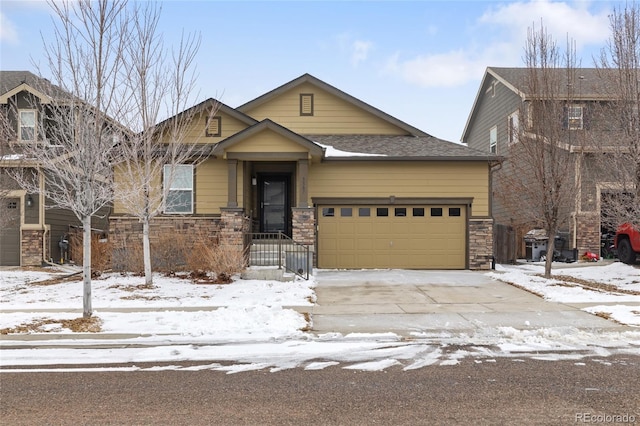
x=405 y=147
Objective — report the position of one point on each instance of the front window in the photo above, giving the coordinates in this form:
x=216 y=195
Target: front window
x=493 y=140
x=179 y=189
x=27 y=125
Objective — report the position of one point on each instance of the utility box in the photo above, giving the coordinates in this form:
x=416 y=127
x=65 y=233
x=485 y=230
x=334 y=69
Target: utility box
x=535 y=243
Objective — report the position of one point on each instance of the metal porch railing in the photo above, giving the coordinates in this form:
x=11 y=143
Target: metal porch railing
x=277 y=249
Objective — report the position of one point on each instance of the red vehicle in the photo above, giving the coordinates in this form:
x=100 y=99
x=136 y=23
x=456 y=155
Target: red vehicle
x=627 y=242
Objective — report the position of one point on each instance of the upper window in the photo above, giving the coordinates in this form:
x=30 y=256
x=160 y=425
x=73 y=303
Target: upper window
x=27 y=125
x=493 y=140
x=513 y=127
x=179 y=194
x=575 y=117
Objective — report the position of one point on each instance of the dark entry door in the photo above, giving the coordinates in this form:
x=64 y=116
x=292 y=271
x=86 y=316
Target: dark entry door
x=274 y=204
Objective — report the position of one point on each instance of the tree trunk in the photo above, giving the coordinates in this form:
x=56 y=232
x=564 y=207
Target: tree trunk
x=551 y=247
x=146 y=251
x=86 y=266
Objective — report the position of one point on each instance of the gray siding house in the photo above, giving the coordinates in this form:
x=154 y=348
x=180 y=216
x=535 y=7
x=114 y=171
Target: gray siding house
x=30 y=227
x=493 y=125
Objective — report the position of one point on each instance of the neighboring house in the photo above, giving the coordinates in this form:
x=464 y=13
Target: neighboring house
x=493 y=127
x=361 y=188
x=30 y=228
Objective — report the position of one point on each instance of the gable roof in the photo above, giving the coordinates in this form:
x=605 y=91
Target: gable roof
x=308 y=78
x=13 y=82
x=594 y=84
x=313 y=148
x=210 y=103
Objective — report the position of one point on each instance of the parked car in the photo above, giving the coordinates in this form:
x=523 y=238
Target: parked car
x=627 y=242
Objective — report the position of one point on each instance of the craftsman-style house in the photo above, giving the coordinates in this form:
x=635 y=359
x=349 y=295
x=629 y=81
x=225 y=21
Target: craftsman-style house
x=357 y=186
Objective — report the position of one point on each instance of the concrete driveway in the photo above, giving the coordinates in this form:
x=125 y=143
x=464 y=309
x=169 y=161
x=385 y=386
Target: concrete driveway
x=427 y=302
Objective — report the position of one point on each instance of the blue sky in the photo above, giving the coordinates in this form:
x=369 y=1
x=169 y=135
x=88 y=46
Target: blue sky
x=420 y=61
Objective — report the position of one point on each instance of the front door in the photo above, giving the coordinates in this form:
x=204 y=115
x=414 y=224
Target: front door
x=274 y=203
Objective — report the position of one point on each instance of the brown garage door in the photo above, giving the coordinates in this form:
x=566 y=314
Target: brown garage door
x=10 y=232
x=407 y=237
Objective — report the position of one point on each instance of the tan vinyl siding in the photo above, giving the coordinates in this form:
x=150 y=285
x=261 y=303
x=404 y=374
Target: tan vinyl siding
x=331 y=115
x=267 y=141
x=403 y=179
x=211 y=186
x=196 y=131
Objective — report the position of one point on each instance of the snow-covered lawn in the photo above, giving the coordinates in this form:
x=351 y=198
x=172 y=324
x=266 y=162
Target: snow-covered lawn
x=249 y=324
x=611 y=289
x=244 y=309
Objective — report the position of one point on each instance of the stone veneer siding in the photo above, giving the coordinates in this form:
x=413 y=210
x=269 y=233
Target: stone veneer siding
x=32 y=254
x=480 y=243
x=125 y=232
x=304 y=226
x=588 y=233
x=234 y=224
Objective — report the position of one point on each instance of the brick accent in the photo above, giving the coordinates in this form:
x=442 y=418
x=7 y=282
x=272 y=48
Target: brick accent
x=304 y=229
x=480 y=243
x=32 y=254
x=588 y=232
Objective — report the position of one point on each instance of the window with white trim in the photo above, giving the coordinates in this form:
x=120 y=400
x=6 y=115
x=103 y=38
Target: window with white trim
x=493 y=140
x=513 y=124
x=575 y=117
x=179 y=193
x=27 y=125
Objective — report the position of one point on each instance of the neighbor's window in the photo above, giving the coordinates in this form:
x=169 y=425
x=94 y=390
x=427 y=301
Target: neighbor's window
x=513 y=127
x=27 y=125
x=179 y=198
x=493 y=140
x=575 y=117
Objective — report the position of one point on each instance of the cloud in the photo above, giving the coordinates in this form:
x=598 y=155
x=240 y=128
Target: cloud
x=498 y=38
x=8 y=32
x=360 y=51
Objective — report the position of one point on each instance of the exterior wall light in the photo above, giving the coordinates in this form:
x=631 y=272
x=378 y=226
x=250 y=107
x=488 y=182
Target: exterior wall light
x=29 y=201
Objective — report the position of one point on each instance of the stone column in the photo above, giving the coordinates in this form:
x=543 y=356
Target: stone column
x=32 y=247
x=233 y=226
x=587 y=232
x=480 y=243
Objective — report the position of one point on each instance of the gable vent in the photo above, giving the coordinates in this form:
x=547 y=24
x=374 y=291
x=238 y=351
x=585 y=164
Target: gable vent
x=213 y=127
x=306 y=104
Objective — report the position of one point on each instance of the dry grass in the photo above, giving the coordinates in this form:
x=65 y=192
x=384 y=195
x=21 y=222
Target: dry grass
x=76 y=325
x=100 y=252
x=214 y=263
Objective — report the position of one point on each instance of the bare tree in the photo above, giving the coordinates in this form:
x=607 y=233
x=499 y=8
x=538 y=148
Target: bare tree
x=619 y=64
x=537 y=177
x=159 y=83
x=85 y=62
x=6 y=134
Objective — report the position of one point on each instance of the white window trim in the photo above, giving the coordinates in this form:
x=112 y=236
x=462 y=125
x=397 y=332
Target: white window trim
x=20 y=126
x=167 y=172
x=493 y=140
x=580 y=119
x=513 y=127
